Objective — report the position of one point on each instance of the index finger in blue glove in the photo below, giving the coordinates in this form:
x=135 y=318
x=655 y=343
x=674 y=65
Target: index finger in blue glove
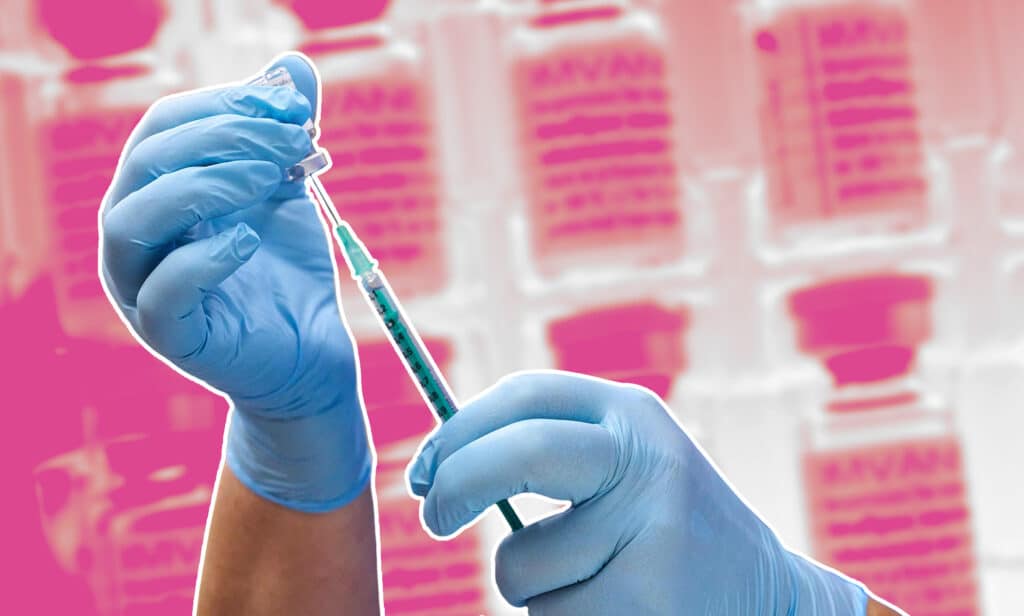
x=535 y=395
x=567 y=460
x=137 y=233
x=277 y=103
x=216 y=139
x=282 y=103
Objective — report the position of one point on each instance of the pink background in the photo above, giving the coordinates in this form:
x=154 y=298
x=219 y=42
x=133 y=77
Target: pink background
x=798 y=221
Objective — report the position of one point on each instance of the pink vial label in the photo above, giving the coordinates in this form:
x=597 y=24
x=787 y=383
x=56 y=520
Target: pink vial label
x=384 y=179
x=599 y=167
x=840 y=123
x=80 y=155
x=895 y=516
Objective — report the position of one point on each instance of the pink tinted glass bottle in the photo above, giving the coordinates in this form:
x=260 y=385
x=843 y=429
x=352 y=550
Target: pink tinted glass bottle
x=88 y=113
x=595 y=122
x=377 y=121
x=420 y=575
x=127 y=515
x=125 y=511
x=886 y=492
x=840 y=121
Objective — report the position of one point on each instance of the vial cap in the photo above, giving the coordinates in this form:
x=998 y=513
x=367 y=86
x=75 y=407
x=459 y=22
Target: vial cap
x=113 y=27
x=865 y=328
x=317 y=15
x=639 y=343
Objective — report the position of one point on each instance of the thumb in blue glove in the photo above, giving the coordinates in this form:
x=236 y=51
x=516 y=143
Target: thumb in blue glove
x=652 y=528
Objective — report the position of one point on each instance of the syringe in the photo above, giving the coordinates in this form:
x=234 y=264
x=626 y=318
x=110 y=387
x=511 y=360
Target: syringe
x=407 y=343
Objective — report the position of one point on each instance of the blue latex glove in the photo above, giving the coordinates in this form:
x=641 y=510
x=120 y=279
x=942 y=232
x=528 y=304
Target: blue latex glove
x=653 y=528
x=224 y=269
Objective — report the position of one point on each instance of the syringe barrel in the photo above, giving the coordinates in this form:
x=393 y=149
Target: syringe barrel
x=418 y=361
x=410 y=347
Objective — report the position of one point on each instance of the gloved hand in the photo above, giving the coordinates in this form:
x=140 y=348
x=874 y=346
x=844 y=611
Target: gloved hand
x=224 y=269
x=653 y=528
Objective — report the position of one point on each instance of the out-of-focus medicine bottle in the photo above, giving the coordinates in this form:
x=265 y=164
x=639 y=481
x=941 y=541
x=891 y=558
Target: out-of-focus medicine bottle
x=641 y=343
x=128 y=517
x=596 y=135
x=640 y=332
x=842 y=137
x=886 y=490
x=112 y=74
x=125 y=510
x=377 y=121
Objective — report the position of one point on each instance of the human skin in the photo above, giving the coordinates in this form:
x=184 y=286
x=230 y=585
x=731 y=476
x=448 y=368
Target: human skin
x=262 y=558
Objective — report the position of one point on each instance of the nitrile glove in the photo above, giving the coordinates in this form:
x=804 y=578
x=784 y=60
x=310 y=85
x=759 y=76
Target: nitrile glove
x=652 y=529
x=224 y=269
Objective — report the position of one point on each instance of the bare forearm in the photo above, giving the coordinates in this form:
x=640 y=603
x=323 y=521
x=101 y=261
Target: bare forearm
x=262 y=558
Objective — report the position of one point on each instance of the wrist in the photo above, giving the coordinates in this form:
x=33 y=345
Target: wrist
x=819 y=591
x=311 y=463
